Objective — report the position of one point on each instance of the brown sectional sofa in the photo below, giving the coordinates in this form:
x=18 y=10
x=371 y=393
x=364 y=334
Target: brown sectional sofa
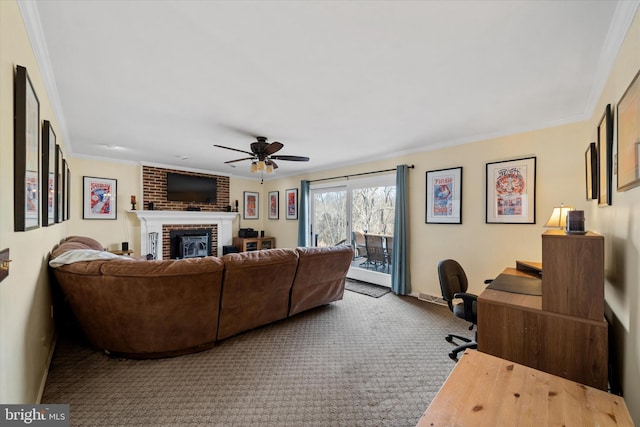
x=146 y=309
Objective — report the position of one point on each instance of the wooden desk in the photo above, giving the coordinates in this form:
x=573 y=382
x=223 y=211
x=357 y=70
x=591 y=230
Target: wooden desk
x=544 y=332
x=484 y=390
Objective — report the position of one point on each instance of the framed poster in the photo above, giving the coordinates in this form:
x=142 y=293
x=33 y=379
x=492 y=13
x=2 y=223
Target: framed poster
x=251 y=205
x=292 y=203
x=67 y=191
x=59 y=185
x=444 y=196
x=48 y=174
x=591 y=171
x=274 y=205
x=26 y=151
x=629 y=136
x=511 y=192
x=99 y=197
x=605 y=163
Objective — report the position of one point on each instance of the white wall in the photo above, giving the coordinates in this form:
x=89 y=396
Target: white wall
x=487 y=248
x=26 y=327
x=620 y=224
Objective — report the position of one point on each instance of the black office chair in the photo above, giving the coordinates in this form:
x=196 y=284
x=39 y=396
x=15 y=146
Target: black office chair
x=453 y=283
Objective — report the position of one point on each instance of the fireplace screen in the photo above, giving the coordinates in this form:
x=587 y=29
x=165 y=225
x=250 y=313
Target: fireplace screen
x=190 y=243
x=194 y=246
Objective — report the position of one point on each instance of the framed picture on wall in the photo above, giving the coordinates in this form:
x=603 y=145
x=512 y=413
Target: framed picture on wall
x=605 y=158
x=67 y=192
x=292 y=203
x=629 y=136
x=511 y=192
x=59 y=185
x=444 y=196
x=274 y=205
x=251 y=206
x=48 y=174
x=591 y=171
x=26 y=151
x=99 y=197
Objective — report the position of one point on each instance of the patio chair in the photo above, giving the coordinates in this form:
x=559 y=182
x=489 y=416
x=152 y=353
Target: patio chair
x=358 y=244
x=388 y=244
x=375 y=252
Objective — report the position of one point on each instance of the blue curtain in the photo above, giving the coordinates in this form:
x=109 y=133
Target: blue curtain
x=400 y=275
x=303 y=214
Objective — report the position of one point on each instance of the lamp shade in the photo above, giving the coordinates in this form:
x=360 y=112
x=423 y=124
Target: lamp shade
x=558 y=217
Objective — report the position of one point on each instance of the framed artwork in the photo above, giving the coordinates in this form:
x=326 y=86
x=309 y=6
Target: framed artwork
x=48 y=174
x=605 y=163
x=99 y=197
x=26 y=151
x=591 y=171
x=292 y=203
x=629 y=136
x=251 y=205
x=59 y=185
x=67 y=191
x=444 y=196
x=511 y=192
x=274 y=205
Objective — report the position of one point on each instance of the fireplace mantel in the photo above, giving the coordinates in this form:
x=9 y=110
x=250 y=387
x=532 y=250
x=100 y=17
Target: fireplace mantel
x=152 y=222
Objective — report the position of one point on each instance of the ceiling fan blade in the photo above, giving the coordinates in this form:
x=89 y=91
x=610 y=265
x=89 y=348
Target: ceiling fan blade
x=273 y=147
x=291 y=158
x=234 y=149
x=239 y=160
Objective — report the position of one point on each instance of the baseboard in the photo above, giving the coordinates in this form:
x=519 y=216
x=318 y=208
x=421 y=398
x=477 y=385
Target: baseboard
x=45 y=374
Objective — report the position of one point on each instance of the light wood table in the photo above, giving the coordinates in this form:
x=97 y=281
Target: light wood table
x=483 y=390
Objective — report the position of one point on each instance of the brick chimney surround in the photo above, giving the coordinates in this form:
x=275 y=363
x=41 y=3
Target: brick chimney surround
x=169 y=215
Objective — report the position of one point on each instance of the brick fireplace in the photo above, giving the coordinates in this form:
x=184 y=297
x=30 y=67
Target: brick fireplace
x=162 y=222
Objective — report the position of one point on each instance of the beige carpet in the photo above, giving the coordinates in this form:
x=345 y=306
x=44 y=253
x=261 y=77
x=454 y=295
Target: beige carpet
x=361 y=361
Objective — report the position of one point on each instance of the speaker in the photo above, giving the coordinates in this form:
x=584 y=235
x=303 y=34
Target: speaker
x=125 y=246
x=229 y=249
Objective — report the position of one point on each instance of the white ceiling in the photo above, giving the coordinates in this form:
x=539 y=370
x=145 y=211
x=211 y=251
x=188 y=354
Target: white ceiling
x=342 y=82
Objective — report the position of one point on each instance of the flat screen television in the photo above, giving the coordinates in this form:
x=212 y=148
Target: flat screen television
x=191 y=188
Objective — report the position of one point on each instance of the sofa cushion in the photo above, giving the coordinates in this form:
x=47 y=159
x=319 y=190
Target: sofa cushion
x=320 y=276
x=141 y=308
x=255 y=289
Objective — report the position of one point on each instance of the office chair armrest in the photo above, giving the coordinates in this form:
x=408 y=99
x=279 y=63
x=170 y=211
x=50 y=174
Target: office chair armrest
x=467 y=300
x=466 y=296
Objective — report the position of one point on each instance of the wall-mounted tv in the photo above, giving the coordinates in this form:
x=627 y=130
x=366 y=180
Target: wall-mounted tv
x=191 y=188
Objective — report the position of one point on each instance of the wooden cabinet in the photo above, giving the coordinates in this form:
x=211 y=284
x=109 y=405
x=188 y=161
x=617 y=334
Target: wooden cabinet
x=573 y=279
x=562 y=332
x=246 y=244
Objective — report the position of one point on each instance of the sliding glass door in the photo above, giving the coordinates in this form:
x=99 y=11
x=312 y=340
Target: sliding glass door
x=360 y=212
x=328 y=216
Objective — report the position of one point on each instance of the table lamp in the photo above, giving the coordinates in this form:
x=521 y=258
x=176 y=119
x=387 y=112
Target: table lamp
x=558 y=217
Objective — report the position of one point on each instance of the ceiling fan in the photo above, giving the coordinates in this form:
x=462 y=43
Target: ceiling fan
x=262 y=155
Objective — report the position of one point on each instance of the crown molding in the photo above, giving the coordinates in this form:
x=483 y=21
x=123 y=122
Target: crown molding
x=622 y=18
x=31 y=19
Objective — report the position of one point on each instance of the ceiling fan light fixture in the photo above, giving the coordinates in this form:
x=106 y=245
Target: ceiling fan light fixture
x=269 y=168
x=254 y=167
x=261 y=165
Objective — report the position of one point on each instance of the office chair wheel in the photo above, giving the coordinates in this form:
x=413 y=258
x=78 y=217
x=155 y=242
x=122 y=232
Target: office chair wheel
x=453 y=356
x=449 y=338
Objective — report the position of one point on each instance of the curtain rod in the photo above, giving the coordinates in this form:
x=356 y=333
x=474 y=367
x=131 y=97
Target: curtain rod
x=358 y=174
